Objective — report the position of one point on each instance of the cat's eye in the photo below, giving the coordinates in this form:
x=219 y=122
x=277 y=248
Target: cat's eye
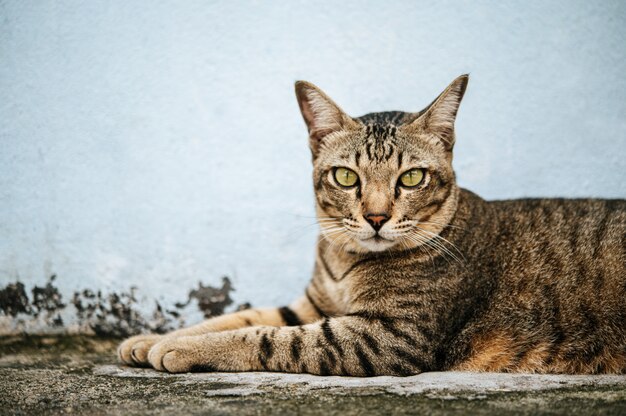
x=412 y=178
x=346 y=177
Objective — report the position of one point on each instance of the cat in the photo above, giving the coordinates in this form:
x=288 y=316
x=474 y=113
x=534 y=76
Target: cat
x=415 y=274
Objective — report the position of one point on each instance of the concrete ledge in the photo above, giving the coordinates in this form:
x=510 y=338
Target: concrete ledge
x=80 y=375
x=435 y=384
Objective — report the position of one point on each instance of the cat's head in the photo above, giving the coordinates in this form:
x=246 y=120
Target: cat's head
x=383 y=181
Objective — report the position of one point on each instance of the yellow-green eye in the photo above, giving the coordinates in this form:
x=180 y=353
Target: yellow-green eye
x=412 y=178
x=346 y=177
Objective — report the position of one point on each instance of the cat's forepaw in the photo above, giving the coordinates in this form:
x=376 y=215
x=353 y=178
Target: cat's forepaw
x=178 y=355
x=134 y=350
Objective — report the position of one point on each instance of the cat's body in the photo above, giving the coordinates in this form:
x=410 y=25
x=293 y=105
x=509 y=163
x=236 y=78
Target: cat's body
x=416 y=276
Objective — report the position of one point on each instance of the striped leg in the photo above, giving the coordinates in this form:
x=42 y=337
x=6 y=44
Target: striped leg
x=134 y=350
x=349 y=345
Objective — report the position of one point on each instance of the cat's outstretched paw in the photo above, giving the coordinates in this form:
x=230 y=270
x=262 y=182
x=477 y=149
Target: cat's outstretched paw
x=134 y=350
x=179 y=355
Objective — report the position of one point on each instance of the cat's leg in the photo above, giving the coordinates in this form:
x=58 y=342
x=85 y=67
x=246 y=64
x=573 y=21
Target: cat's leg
x=134 y=350
x=349 y=345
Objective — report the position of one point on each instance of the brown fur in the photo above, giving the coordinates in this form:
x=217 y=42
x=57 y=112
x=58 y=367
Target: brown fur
x=449 y=281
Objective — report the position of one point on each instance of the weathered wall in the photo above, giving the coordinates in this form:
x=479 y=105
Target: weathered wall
x=158 y=144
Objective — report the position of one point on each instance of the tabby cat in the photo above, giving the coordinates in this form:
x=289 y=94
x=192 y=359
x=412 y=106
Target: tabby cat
x=415 y=274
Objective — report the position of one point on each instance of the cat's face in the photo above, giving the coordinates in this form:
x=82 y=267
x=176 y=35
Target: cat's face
x=383 y=181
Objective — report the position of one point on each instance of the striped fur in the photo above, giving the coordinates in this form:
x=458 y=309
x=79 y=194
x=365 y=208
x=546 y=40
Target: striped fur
x=450 y=281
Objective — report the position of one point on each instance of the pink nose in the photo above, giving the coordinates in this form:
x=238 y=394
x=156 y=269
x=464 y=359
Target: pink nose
x=377 y=220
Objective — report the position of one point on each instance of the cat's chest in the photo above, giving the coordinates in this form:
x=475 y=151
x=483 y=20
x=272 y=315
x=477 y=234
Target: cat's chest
x=342 y=277
x=335 y=268
x=351 y=282
x=334 y=276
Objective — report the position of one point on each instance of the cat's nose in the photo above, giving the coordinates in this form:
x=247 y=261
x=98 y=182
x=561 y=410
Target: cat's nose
x=377 y=220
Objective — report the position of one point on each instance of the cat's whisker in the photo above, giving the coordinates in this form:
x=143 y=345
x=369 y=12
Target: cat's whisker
x=436 y=243
x=330 y=224
x=332 y=230
x=426 y=242
x=298 y=231
x=440 y=224
x=319 y=221
x=421 y=246
x=437 y=236
x=329 y=238
x=300 y=228
x=345 y=243
x=441 y=249
x=322 y=223
x=339 y=236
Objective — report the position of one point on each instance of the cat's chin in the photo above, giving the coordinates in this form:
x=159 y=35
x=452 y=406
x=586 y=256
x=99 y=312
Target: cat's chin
x=376 y=244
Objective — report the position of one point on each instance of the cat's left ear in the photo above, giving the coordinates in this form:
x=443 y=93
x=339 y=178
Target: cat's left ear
x=439 y=117
x=321 y=115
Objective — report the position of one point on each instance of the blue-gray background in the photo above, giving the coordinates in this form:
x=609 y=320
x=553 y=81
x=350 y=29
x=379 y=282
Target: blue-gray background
x=159 y=144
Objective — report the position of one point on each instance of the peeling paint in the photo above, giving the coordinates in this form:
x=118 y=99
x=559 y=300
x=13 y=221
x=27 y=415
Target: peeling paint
x=211 y=301
x=48 y=300
x=115 y=315
x=13 y=299
x=111 y=314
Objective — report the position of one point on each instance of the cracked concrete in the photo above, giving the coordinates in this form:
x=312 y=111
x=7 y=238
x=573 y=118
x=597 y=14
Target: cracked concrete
x=80 y=375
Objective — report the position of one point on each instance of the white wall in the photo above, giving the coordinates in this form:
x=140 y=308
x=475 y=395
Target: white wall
x=159 y=144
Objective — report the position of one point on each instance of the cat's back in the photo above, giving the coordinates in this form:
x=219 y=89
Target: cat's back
x=568 y=237
x=605 y=214
x=559 y=268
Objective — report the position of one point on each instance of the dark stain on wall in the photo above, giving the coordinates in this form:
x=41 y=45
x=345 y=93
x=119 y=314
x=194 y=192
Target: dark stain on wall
x=112 y=314
x=47 y=301
x=211 y=300
x=13 y=300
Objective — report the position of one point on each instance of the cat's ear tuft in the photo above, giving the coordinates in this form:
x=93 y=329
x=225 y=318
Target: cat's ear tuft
x=321 y=115
x=439 y=117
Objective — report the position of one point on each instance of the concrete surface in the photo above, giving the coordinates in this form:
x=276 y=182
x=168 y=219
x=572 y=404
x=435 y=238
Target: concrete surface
x=78 y=375
x=158 y=144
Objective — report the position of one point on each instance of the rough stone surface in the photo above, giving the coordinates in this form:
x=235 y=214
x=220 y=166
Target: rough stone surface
x=79 y=375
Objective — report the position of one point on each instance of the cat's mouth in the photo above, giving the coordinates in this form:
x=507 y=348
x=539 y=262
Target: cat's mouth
x=376 y=243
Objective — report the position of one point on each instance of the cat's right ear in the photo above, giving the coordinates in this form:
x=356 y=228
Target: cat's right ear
x=321 y=115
